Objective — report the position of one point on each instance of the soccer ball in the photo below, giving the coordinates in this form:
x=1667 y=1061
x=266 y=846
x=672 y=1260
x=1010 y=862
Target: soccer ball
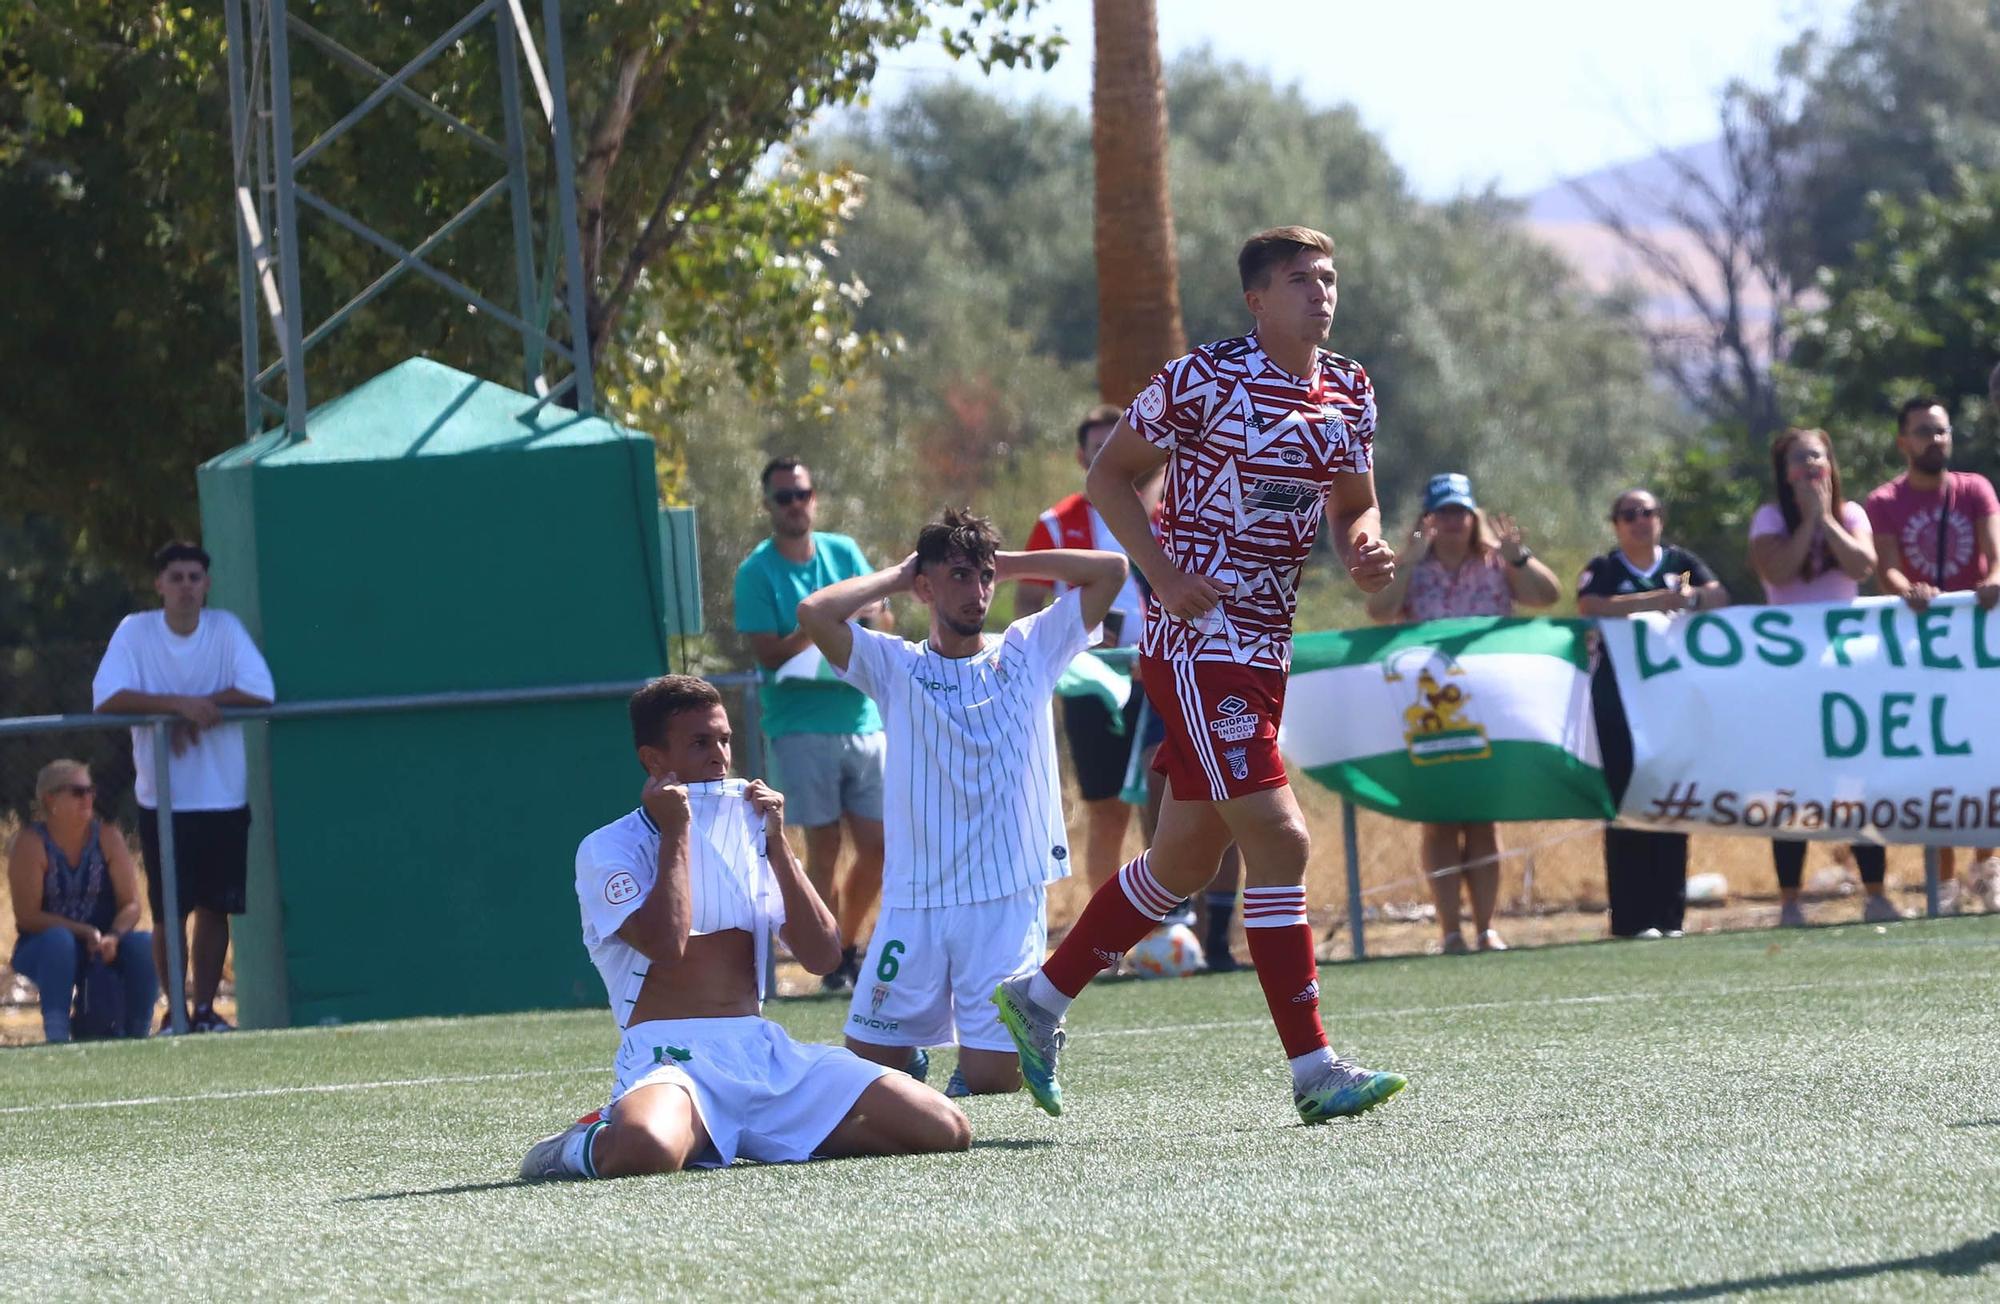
x=1167 y=953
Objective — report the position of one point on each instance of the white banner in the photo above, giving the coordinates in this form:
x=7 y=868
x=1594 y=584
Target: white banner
x=1859 y=722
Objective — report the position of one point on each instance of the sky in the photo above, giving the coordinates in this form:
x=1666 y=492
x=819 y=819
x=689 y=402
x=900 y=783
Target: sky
x=1464 y=92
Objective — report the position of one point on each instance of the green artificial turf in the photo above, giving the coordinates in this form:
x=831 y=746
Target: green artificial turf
x=1813 y=1112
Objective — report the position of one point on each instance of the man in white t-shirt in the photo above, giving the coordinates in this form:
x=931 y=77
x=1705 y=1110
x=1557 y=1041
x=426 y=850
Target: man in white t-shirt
x=679 y=898
x=186 y=661
x=972 y=808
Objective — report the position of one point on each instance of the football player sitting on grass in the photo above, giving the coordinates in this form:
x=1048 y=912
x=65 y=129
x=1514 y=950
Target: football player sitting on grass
x=678 y=899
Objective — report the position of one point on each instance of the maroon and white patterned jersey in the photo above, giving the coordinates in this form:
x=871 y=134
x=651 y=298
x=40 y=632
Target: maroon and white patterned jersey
x=1254 y=452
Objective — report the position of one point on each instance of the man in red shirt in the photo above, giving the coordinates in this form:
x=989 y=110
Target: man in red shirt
x=1100 y=741
x=1938 y=531
x=1261 y=436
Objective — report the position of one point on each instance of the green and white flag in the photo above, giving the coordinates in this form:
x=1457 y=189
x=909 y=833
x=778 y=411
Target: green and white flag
x=1481 y=718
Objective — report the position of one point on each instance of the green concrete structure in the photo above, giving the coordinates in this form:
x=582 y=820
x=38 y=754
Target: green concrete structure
x=435 y=533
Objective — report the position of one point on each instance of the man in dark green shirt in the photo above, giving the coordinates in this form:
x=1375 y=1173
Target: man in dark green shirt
x=826 y=742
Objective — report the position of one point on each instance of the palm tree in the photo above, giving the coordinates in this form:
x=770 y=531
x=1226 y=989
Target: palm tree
x=1138 y=284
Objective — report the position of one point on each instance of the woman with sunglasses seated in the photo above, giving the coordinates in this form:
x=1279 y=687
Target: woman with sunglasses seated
x=1645 y=873
x=76 y=900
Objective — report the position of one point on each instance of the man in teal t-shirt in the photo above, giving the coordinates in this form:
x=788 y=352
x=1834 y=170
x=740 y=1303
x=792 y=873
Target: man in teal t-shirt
x=826 y=742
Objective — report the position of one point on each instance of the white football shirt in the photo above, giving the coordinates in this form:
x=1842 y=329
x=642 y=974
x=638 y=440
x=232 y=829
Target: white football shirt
x=972 y=801
x=147 y=657
x=730 y=884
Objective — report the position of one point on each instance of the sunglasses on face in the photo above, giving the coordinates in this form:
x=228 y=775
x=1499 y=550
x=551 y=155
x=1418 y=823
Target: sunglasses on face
x=786 y=497
x=1631 y=514
x=78 y=789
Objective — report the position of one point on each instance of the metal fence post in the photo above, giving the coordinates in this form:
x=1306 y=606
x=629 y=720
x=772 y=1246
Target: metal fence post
x=1931 y=882
x=1350 y=837
x=172 y=926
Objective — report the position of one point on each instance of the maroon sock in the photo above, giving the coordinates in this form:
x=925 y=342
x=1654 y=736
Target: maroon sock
x=1121 y=912
x=1281 y=946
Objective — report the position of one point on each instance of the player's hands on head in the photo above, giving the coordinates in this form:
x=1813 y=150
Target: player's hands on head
x=906 y=574
x=665 y=798
x=768 y=802
x=1372 y=563
x=1189 y=597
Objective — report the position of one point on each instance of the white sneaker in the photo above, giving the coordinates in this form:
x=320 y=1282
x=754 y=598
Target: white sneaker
x=1985 y=883
x=544 y=1160
x=1879 y=910
x=1490 y=941
x=1948 y=897
x=1649 y=934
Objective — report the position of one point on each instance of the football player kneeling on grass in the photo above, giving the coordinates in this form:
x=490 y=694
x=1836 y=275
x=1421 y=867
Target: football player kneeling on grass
x=678 y=901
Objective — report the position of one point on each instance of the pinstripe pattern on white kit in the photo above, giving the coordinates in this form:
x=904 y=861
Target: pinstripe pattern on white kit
x=972 y=797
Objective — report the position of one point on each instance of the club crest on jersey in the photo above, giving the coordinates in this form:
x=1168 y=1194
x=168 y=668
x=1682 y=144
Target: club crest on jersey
x=1239 y=761
x=875 y=999
x=1060 y=852
x=620 y=888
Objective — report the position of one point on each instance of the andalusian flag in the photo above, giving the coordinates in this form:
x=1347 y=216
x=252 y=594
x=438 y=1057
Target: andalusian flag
x=1483 y=718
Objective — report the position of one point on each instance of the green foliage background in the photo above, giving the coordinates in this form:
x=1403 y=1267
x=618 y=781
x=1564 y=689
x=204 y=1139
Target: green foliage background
x=904 y=296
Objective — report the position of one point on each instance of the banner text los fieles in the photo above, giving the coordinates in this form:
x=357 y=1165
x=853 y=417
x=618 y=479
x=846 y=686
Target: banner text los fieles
x=1899 y=709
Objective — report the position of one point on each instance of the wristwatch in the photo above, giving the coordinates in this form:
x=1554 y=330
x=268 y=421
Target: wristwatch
x=1527 y=555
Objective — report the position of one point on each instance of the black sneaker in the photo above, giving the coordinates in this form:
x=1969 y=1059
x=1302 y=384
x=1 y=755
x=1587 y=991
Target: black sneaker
x=207 y=1020
x=1221 y=961
x=845 y=974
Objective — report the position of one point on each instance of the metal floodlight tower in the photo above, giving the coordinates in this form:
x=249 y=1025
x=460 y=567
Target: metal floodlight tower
x=270 y=191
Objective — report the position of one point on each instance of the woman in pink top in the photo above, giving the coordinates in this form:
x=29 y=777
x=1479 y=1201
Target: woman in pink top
x=1812 y=545
x=1457 y=566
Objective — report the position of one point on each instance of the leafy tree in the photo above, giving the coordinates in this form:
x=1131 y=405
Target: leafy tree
x=114 y=167
x=1488 y=354
x=1902 y=98
x=1915 y=310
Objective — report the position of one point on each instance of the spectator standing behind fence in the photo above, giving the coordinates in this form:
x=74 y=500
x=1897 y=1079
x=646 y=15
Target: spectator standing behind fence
x=1938 y=531
x=76 y=906
x=1645 y=872
x=186 y=661
x=1812 y=545
x=1456 y=565
x=826 y=740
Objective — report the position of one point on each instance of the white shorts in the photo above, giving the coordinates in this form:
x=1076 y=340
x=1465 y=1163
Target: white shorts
x=760 y=1094
x=930 y=973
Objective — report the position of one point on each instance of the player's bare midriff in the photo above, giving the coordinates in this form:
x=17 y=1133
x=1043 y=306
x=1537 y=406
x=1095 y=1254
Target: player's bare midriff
x=716 y=979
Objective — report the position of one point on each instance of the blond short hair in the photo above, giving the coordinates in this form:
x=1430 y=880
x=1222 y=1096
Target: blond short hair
x=56 y=774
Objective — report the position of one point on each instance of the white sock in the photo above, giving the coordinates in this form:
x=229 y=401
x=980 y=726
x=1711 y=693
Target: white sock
x=576 y=1156
x=1310 y=1065
x=1043 y=993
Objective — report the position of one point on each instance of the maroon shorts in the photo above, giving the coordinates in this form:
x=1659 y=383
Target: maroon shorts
x=1222 y=726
